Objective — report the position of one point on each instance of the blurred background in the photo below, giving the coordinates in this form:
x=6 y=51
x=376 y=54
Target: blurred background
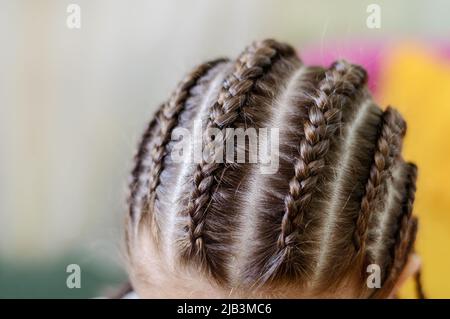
x=73 y=103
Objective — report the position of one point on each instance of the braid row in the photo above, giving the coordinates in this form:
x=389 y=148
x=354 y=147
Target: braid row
x=135 y=198
x=168 y=118
x=406 y=232
x=159 y=133
x=402 y=245
x=388 y=148
x=341 y=84
x=236 y=90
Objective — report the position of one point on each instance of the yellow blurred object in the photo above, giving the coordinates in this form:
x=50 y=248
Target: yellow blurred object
x=417 y=83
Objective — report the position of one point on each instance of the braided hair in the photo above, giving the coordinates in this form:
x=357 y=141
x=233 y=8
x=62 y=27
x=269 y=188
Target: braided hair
x=341 y=199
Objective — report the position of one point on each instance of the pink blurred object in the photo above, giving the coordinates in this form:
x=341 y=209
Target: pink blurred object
x=371 y=55
x=367 y=54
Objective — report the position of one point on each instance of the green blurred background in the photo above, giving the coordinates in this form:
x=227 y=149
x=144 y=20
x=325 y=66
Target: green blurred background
x=74 y=102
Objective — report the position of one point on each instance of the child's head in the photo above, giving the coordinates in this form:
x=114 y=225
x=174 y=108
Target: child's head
x=339 y=200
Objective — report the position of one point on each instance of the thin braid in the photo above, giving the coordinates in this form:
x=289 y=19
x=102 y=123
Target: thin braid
x=234 y=95
x=342 y=80
x=251 y=233
x=392 y=130
x=139 y=164
x=406 y=232
x=159 y=132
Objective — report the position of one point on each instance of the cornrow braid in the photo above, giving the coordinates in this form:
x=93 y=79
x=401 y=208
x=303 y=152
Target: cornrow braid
x=237 y=87
x=341 y=81
x=139 y=165
x=392 y=130
x=419 y=287
x=166 y=118
x=406 y=232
